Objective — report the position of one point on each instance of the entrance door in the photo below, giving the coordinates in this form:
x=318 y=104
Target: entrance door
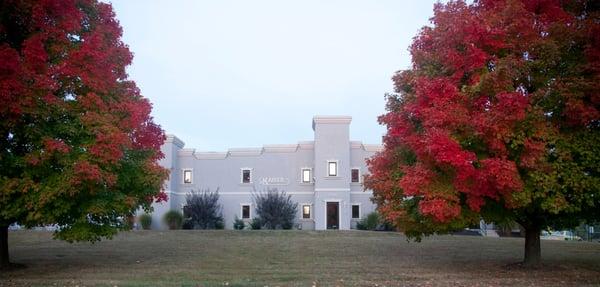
x=333 y=215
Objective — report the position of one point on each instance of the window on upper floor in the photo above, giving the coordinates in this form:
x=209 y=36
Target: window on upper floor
x=246 y=175
x=332 y=168
x=306 y=211
x=355 y=175
x=306 y=175
x=187 y=176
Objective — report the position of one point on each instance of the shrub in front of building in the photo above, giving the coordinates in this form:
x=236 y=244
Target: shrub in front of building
x=369 y=222
x=146 y=221
x=173 y=219
x=255 y=224
x=374 y=221
x=275 y=209
x=203 y=211
x=238 y=224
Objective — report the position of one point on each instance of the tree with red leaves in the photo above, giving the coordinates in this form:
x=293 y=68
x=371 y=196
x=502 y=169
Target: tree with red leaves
x=78 y=147
x=498 y=118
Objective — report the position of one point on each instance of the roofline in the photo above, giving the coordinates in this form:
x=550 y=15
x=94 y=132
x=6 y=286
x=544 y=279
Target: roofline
x=170 y=138
x=331 y=120
x=273 y=148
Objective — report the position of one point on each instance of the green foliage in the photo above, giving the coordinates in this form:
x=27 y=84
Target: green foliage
x=496 y=119
x=369 y=222
x=173 y=219
x=255 y=224
x=374 y=221
x=78 y=145
x=275 y=209
x=219 y=225
x=203 y=211
x=146 y=221
x=238 y=224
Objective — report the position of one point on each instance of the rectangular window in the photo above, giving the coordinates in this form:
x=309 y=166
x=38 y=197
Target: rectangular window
x=187 y=176
x=246 y=175
x=306 y=175
x=355 y=211
x=332 y=168
x=245 y=211
x=355 y=175
x=306 y=211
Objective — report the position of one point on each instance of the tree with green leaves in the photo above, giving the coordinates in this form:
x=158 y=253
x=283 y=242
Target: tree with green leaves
x=78 y=147
x=498 y=118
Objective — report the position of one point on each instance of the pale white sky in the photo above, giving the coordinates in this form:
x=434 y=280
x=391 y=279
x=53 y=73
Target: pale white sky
x=235 y=73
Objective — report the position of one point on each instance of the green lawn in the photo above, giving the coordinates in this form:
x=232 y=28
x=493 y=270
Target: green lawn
x=302 y=258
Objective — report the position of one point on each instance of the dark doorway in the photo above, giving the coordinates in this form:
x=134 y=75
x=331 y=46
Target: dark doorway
x=333 y=215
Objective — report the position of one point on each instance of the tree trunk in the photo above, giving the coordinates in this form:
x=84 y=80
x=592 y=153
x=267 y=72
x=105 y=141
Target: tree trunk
x=533 y=250
x=4 y=263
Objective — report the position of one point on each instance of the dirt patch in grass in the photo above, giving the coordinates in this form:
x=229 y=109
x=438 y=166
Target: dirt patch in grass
x=294 y=258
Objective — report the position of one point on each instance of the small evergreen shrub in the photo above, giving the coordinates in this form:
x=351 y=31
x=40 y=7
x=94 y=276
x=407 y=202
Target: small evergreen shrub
x=173 y=219
x=146 y=221
x=373 y=221
x=255 y=224
x=385 y=225
x=219 y=225
x=275 y=209
x=203 y=211
x=238 y=224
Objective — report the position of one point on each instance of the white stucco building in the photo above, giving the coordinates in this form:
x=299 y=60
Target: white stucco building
x=323 y=176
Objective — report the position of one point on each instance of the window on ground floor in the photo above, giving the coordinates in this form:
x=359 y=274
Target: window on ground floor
x=245 y=211
x=355 y=211
x=306 y=211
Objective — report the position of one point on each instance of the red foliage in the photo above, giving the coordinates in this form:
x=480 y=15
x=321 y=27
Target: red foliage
x=54 y=145
x=441 y=210
x=161 y=197
x=477 y=110
x=70 y=113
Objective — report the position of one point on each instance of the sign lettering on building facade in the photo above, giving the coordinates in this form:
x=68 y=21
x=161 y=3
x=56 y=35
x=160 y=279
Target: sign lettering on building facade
x=275 y=181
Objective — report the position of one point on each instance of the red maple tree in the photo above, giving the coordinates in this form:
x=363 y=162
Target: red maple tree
x=78 y=147
x=498 y=118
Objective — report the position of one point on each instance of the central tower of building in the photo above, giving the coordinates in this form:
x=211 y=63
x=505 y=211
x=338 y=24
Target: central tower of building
x=332 y=172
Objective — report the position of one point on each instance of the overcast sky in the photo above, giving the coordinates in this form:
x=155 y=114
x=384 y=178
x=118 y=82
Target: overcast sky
x=224 y=74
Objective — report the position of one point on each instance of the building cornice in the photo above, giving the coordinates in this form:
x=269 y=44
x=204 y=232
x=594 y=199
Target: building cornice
x=366 y=147
x=306 y=145
x=186 y=152
x=275 y=148
x=373 y=147
x=174 y=140
x=241 y=152
x=210 y=155
x=331 y=120
x=279 y=148
x=245 y=151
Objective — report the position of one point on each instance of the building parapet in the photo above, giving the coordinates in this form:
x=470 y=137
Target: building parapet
x=366 y=147
x=280 y=148
x=245 y=151
x=306 y=145
x=174 y=140
x=273 y=148
x=331 y=120
x=373 y=147
x=210 y=155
